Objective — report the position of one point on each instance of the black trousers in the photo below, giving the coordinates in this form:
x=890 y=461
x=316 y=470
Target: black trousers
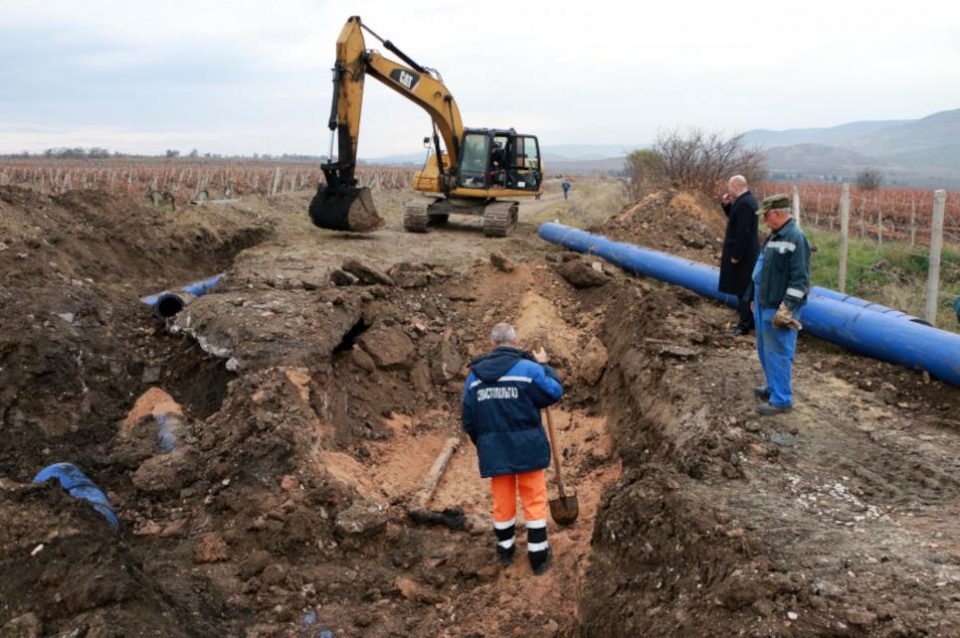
x=746 y=317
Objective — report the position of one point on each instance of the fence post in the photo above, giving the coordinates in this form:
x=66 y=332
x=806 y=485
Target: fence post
x=879 y=223
x=936 y=244
x=796 y=204
x=276 y=182
x=863 y=205
x=844 y=235
x=913 y=221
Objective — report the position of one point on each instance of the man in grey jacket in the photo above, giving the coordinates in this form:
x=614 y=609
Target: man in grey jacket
x=778 y=290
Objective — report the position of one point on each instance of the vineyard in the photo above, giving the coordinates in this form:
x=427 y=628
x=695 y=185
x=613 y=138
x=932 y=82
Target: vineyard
x=894 y=214
x=178 y=182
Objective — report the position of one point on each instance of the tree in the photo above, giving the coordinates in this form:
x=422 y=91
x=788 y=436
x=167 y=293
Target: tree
x=172 y=153
x=869 y=179
x=697 y=160
x=194 y=153
x=645 y=170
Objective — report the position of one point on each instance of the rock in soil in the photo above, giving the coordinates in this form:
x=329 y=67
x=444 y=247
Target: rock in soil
x=580 y=274
x=501 y=262
x=366 y=274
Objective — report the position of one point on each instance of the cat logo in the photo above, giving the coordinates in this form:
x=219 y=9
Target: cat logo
x=405 y=78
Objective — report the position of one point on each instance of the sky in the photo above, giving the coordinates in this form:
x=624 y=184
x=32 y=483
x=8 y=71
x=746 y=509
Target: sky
x=244 y=77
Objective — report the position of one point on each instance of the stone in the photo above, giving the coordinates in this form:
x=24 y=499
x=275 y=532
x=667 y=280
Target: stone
x=361 y=520
x=340 y=278
x=274 y=574
x=447 y=363
x=210 y=548
x=580 y=274
x=289 y=483
x=166 y=472
x=367 y=275
x=678 y=352
x=151 y=374
x=860 y=617
x=363 y=360
x=409 y=275
x=389 y=347
x=420 y=376
x=411 y=590
x=501 y=262
x=148 y=529
x=593 y=361
x=176 y=529
x=254 y=563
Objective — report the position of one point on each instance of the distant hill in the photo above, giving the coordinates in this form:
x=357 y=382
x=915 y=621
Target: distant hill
x=834 y=135
x=923 y=152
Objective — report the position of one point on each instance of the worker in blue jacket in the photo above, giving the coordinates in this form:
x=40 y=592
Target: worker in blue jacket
x=778 y=290
x=502 y=399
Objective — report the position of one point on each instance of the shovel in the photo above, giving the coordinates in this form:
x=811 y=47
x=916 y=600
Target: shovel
x=564 y=509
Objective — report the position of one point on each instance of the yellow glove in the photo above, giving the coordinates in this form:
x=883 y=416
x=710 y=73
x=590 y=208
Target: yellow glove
x=785 y=319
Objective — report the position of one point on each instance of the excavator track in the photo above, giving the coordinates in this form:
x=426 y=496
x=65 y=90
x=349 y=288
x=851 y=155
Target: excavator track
x=416 y=215
x=500 y=218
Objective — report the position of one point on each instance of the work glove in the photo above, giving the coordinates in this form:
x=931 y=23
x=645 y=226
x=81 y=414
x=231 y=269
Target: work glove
x=785 y=319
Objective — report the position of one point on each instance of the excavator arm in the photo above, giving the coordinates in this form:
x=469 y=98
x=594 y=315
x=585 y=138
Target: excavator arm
x=340 y=204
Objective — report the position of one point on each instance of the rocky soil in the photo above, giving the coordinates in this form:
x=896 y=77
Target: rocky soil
x=262 y=449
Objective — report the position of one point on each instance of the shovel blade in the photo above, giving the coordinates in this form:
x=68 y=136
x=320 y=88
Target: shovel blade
x=564 y=510
x=347 y=208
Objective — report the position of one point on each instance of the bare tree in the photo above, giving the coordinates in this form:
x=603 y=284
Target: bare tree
x=869 y=179
x=645 y=170
x=697 y=160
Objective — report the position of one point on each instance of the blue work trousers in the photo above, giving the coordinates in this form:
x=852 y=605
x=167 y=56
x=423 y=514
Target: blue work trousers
x=775 y=349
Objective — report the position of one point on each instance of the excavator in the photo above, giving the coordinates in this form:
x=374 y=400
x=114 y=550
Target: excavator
x=476 y=171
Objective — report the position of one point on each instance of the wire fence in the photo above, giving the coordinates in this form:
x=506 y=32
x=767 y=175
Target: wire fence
x=886 y=214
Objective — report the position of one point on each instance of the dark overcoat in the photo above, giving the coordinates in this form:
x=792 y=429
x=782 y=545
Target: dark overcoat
x=740 y=242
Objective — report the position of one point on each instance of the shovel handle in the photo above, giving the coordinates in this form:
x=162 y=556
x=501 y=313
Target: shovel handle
x=553 y=449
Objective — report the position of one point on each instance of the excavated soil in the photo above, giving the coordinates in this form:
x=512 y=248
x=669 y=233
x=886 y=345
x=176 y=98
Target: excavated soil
x=262 y=448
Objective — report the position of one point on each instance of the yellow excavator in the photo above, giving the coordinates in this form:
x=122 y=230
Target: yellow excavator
x=475 y=172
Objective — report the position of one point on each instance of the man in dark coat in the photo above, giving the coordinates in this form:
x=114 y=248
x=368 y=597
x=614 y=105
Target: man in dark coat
x=740 y=248
x=502 y=399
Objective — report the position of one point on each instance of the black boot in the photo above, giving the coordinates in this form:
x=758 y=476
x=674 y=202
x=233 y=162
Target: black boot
x=506 y=543
x=540 y=561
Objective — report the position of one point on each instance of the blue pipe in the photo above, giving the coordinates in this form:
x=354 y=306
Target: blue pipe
x=893 y=313
x=168 y=303
x=876 y=334
x=78 y=485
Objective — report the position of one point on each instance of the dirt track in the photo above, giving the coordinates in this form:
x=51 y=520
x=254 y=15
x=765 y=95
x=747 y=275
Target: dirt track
x=311 y=413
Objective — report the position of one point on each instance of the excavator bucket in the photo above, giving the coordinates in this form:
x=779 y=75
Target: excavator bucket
x=347 y=208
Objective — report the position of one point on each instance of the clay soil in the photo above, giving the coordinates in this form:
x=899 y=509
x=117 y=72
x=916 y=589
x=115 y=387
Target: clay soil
x=306 y=414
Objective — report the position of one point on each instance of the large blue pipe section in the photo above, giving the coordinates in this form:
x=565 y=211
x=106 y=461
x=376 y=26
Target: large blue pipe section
x=78 y=485
x=892 y=313
x=168 y=303
x=876 y=334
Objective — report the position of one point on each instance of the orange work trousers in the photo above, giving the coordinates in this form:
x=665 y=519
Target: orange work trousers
x=533 y=493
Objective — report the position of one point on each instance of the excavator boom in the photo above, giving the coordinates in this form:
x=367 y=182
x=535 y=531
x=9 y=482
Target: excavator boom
x=341 y=204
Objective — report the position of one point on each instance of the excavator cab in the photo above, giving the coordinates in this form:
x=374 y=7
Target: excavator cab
x=500 y=160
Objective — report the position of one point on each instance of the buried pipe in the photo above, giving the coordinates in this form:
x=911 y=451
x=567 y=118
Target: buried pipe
x=78 y=485
x=168 y=303
x=862 y=329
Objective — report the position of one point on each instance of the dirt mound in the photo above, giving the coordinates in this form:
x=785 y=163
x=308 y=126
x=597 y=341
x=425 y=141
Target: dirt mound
x=680 y=223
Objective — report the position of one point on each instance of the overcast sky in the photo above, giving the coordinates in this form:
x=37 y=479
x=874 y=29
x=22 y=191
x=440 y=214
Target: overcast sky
x=241 y=76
